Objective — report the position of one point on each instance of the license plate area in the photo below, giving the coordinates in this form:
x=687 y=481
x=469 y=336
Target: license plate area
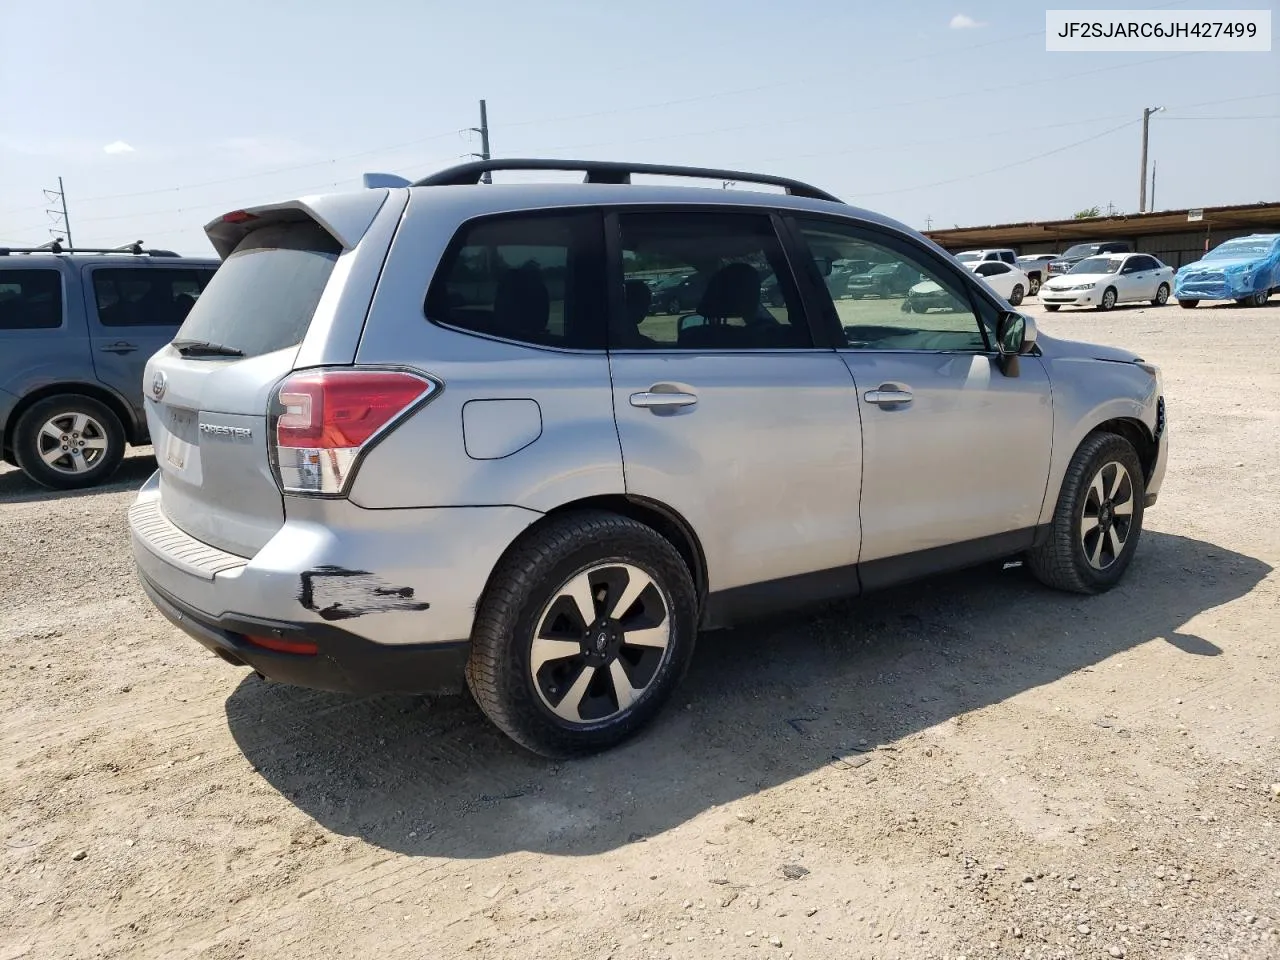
x=178 y=450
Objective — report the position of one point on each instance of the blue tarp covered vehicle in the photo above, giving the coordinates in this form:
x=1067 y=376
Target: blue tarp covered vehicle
x=1246 y=269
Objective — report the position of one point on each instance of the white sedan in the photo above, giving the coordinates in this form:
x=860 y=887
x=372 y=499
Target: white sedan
x=1008 y=281
x=1104 y=280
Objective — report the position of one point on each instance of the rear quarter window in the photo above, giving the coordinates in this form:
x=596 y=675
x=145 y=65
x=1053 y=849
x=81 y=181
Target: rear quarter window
x=536 y=279
x=30 y=299
x=264 y=295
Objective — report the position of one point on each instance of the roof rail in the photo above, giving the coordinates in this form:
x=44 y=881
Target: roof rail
x=55 y=246
x=609 y=171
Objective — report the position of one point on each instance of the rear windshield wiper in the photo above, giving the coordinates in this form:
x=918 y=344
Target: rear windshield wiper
x=202 y=348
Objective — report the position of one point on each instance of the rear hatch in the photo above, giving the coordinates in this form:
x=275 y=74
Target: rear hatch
x=207 y=393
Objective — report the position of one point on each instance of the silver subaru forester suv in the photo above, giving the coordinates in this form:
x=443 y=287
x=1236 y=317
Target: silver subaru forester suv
x=431 y=431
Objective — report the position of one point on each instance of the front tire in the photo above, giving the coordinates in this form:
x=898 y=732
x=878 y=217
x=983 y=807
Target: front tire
x=1015 y=298
x=1188 y=304
x=1035 y=286
x=1097 y=521
x=68 y=442
x=1259 y=298
x=585 y=630
x=1053 y=307
x=1108 y=299
x=1162 y=295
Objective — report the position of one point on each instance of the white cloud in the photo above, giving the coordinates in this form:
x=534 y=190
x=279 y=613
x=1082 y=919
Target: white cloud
x=963 y=21
x=117 y=146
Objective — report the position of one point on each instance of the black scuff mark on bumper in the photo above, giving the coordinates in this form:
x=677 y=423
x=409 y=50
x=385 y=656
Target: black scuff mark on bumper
x=336 y=593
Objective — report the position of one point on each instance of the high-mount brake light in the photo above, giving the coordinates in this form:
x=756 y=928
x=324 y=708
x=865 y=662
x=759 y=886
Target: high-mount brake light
x=239 y=216
x=323 y=419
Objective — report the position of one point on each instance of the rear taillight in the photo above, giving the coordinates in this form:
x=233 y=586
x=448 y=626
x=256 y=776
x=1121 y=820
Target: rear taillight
x=323 y=419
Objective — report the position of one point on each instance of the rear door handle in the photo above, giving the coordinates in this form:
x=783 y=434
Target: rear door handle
x=654 y=400
x=887 y=397
x=120 y=346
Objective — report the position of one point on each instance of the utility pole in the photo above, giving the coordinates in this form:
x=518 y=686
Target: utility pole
x=1142 y=180
x=1153 y=186
x=483 y=130
x=928 y=223
x=60 y=196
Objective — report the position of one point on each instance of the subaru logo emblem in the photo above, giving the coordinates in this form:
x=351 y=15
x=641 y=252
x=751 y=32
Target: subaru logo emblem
x=159 y=383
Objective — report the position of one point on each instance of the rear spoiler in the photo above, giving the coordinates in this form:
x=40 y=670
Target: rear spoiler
x=345 y=216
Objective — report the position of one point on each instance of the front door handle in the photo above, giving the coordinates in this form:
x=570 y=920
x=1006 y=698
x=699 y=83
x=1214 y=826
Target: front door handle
x=657 y=401
x=888 y=396
x=120 y=346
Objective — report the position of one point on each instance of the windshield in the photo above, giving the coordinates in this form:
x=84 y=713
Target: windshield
x=968 y=257
x=1081 y=250
x=1098 y=265
x=1240 y=250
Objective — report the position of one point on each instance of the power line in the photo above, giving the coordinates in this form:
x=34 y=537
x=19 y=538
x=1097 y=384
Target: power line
x=1006 y=166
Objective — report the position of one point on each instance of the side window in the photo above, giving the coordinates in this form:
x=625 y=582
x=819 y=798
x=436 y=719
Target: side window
x=1008 y=256
x=991 y=269
x=147 y=297
x=706 y=281
x=906 y=301
x=30 y=299
x=538 y=279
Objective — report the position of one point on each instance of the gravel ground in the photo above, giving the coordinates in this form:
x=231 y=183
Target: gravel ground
x=967 y=767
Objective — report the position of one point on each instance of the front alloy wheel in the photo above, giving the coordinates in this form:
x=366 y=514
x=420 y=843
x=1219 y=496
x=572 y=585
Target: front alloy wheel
x=1162 y=295
x=1108 y=299
x=1097 y=520
x=1107 y=515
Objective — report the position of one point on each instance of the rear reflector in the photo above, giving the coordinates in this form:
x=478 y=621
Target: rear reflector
x=279 y=645
x=324 y=418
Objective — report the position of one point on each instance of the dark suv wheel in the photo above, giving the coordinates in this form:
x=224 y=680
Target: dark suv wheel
x=585 y=630
x=68 y=441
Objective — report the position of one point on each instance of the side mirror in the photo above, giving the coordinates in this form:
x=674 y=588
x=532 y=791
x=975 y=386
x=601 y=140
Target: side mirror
x=1015 y=336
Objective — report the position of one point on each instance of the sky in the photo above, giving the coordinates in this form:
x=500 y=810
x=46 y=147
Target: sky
x=162 y=114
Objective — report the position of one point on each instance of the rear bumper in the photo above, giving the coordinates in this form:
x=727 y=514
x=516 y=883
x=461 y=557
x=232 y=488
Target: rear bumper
x=344 y=662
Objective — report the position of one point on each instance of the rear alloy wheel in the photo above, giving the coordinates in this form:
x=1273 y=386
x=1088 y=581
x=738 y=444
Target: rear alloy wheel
x=1098 y=518
x=1015 y=297
x=1162 y=295
x=1188 y=304
x=68 y=442
x=585 y=631
x=1035 y=286
x=1108 y=299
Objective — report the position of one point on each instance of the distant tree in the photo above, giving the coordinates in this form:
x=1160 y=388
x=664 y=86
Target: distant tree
x=1086 y=213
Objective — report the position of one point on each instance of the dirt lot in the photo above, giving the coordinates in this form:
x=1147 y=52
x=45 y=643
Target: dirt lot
x=1023 y=773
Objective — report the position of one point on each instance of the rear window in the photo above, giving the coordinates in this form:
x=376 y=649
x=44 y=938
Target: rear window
x=265 y=293
x=30 y=299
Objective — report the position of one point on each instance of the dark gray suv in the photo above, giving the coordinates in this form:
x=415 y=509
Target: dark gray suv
x=76 y=330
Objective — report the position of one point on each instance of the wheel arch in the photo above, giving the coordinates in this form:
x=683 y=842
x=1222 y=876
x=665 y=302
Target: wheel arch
x=133 y=430
x=662 y=519
x=1139 y=437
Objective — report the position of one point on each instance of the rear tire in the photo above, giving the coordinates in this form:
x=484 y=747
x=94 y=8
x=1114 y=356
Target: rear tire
x=1015 y=298
x=68 y=442
x=1035 y=286
x=1097 y=521
x=1188 y=304
x=560 y=686
x=1162 y=295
